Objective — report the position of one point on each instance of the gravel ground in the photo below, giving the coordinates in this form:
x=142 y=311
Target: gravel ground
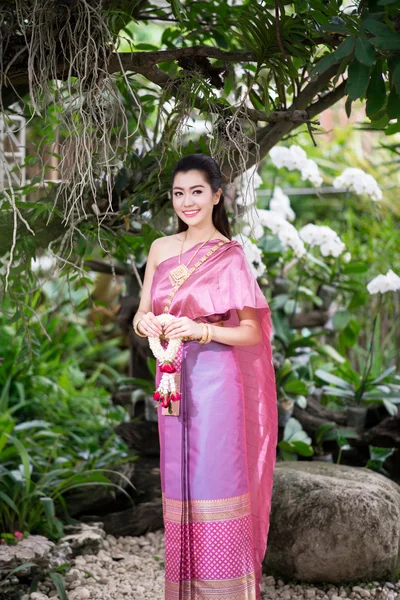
x=132 y=568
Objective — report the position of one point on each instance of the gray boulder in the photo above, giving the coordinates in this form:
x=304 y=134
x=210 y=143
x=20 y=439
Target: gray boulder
x=333 y=523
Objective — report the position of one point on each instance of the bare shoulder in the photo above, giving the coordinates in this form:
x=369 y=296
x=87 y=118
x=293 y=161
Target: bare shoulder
x=166 y=243
x=164 y=247
x=170 y=245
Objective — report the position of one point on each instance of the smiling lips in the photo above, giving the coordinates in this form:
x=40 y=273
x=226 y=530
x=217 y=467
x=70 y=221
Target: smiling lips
x=191 y=213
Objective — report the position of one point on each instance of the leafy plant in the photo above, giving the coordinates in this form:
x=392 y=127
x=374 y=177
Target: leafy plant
x=35 y=475
x=351 y=389
x=295 y=441
x=56 y=422
x=377 y=458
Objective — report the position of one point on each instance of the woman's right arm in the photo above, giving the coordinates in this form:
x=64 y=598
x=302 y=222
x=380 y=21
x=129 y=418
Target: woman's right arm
x=148 y=325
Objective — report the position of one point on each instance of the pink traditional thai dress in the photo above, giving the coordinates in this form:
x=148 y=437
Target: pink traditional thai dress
x=218 y=456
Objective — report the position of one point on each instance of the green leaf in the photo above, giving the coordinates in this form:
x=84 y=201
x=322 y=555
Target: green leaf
x=357 y=82
x=345 y=48
x=178 y=9
x=291 y=427
x=9 y=501
x=59 y=584
x=295 y=386
x=391 y=41
x=385 y=374
x=377 y=453
x=396 y=76
x=302 y=448
x=347 y=107
x=355 y=267
x=390 y=407
x=324 y=63
x=341 y=319
x=393 y=105
x=48 y=505
x=24 y=459
x=220 y=39
x=21 y=568
x=337 y=392
x=329 y=378
x=376 y=92
x=301 y=401
x=330 y=351
x=386 y=2
x=376 y=27
x=365 y=51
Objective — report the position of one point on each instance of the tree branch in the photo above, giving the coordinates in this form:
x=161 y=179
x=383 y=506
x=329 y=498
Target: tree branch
x=268 y=136
x=133 y=60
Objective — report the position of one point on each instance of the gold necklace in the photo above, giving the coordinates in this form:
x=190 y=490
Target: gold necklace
x=179 y=274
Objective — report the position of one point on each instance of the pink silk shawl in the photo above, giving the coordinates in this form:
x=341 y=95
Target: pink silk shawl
x=218 y=288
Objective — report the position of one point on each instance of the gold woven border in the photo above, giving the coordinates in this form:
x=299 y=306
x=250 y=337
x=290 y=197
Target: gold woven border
x=222 y=509
x=197 y=264
x=239 y=588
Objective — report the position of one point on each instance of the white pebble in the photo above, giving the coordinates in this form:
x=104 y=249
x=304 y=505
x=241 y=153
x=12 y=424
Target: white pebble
x=82 y=593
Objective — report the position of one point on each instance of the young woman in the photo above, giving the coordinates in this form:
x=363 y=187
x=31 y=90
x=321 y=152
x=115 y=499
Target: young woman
x=217 y=455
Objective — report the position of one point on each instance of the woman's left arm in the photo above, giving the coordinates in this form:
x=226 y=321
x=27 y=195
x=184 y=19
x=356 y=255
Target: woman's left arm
x=248 y=333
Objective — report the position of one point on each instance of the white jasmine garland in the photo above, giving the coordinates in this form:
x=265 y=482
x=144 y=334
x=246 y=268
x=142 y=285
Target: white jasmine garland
x=171 y=350
x=384 y=283
x=359 y=182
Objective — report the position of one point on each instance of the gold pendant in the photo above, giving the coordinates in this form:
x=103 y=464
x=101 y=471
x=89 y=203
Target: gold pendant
x=178 y=275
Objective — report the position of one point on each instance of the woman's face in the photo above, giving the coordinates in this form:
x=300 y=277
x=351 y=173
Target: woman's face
x=193 y=198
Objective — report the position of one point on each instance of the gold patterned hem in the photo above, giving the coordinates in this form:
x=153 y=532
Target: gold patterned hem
x=238 y=588
x=223 y=509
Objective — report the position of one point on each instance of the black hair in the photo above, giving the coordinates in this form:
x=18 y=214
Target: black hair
x=212 y=173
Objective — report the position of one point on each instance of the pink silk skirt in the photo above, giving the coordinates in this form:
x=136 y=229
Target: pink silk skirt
x=209 y=546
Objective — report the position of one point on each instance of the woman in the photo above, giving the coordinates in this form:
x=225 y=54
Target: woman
x=218 y=455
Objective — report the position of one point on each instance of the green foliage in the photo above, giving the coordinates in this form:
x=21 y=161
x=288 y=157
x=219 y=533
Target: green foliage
x=295 y=441
x=55 y=420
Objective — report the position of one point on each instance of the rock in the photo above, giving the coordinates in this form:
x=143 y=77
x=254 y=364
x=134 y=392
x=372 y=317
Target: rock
x=88 y=539
x=385 y=435
x=338 y=523
x=34 y=548
x=360 y=590
x=82 y=593
x=79 y=502
x=141 y=436
x=144 y=517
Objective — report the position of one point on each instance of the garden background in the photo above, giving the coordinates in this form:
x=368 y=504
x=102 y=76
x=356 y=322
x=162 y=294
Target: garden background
x=300 y=103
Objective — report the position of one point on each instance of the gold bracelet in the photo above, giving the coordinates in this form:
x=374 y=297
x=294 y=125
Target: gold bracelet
x=204 y=335
x=135 y=328
x=210 y=333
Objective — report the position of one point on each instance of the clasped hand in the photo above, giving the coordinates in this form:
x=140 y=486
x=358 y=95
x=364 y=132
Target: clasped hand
x=177 y=327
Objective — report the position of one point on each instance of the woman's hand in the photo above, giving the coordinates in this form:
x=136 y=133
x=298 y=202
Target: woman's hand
x=149 y=325
x=183 y=327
